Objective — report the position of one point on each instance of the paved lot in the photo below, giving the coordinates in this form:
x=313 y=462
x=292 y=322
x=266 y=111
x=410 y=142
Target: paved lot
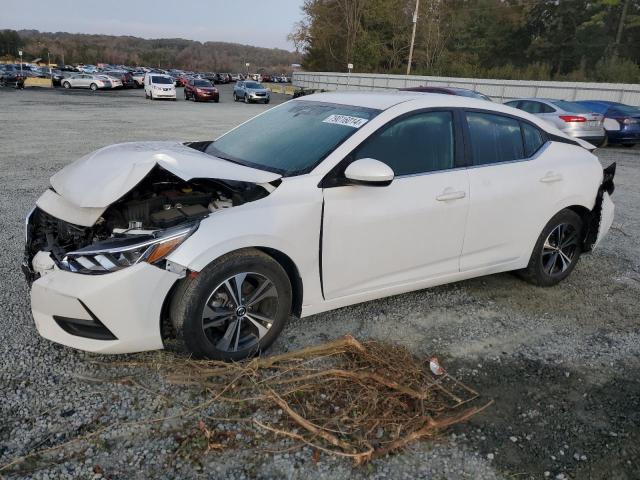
x=562 y=364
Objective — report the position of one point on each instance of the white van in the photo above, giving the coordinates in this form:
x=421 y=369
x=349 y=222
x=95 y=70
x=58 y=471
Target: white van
x=157 y=85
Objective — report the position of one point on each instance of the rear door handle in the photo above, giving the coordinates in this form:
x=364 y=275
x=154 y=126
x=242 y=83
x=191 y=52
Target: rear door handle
x=448 y=195
x=551 y=177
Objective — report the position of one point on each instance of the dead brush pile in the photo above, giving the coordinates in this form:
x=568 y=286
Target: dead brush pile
x=345 y=398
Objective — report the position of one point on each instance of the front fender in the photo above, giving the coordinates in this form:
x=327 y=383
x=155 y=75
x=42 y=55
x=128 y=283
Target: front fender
x=275 y=222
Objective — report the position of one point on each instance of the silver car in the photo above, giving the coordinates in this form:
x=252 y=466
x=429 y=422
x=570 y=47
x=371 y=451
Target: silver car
x=571 y=118
x=86 y=80
x=250 y=91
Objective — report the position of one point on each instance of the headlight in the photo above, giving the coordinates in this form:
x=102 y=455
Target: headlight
x=120 y=252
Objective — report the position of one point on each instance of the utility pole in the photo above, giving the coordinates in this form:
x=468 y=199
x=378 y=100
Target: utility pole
x=623 y=17
x=413 y=36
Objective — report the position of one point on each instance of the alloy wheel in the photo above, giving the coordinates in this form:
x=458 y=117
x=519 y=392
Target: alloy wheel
x=240 y=311
x=559 y=249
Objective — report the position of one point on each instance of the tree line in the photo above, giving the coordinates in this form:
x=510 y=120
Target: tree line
x=580 y=40
x=68 y=48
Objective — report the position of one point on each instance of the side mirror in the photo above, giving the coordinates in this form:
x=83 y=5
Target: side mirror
x=370 y=172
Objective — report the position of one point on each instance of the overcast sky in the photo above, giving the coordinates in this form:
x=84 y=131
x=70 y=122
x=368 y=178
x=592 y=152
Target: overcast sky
x=252 y=22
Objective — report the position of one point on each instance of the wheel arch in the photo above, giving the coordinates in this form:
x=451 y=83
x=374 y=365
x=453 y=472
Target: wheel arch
x=292 y=272
x=285 y=261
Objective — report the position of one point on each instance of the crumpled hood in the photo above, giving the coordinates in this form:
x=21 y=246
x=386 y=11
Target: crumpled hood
x=104 y=176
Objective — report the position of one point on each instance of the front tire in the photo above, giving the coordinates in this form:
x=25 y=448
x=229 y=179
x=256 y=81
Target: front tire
x=235 y=308
x=66 y=85
x=246 y=98
x=557 y=250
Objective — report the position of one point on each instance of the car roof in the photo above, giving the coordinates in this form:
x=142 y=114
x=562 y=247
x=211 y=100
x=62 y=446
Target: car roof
x=376 y=100
x=386 y=100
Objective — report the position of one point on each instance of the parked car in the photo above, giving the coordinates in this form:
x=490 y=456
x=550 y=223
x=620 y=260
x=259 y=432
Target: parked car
x=138 y=78
x=464 y=92
x=115 y=81
x=87 y=68
x=338 y=198
x=85 y=80
x=201 y=90
x=250 y=91
x=211 y=76
x=621 y=122
x=302 y=91
x=11 y=75
x=266 y=78
x=573 y=119
x=68 y=68
x=157 y=86
x=125 y=78
x=181 y=80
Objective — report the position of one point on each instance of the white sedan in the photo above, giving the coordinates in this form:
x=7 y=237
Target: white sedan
x=316 y=204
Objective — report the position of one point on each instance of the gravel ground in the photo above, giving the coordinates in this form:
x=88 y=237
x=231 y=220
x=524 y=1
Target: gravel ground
x=562 y=364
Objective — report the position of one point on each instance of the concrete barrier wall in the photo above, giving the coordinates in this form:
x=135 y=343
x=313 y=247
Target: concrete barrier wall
x=499 y=90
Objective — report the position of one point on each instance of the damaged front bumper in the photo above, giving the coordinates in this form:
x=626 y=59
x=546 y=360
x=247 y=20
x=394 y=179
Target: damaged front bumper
x=115 y=313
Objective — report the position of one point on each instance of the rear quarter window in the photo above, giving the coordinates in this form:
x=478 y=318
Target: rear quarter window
x=533 y=139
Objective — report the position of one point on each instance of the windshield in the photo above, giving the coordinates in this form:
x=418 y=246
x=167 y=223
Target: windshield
x=161 y=80
x=202 y=83
x=571 y=106
x=293 y=138
x=253 y=85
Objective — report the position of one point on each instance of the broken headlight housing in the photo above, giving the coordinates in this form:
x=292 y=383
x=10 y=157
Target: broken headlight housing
x=124 y=251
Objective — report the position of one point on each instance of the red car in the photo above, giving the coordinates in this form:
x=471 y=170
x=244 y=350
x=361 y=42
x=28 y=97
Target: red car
x=182 y=81
x=199 y=89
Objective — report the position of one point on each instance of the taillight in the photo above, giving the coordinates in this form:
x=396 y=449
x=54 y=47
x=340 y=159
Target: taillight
x=573 y=118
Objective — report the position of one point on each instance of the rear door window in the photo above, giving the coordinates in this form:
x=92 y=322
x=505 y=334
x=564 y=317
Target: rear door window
x=494 y=138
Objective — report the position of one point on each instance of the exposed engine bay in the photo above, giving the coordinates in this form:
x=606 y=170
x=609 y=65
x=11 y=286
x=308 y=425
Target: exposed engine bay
x=160 y=201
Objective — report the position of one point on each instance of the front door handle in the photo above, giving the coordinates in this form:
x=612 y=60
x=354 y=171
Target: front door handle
x=551 y=177
x=448 y=195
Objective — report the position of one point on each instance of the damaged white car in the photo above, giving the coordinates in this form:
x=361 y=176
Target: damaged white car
x=316 y=204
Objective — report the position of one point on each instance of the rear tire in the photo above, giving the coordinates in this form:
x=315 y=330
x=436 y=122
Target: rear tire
x=206 y=315
x=93 y=87
x=557 y=250
x=628 y=145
